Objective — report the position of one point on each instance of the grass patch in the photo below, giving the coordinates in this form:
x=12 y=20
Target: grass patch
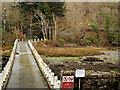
x=67 y=51
x=59 y=58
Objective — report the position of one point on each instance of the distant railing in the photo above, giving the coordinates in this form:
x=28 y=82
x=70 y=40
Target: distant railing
x=50 y=77
x=32 y=40
x=7 y=69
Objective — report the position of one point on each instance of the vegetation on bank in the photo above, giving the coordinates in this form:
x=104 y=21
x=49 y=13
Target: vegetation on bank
x=67 y=51
x=49 y=49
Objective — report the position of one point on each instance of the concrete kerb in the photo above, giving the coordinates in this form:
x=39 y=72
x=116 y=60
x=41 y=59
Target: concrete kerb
x=52 y=80
x=8 y=68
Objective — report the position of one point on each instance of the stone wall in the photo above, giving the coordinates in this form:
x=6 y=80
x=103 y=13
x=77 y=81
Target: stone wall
x=97 y=81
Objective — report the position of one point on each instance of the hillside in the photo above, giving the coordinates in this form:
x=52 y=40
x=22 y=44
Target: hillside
x=69 y=28
x=79 y=14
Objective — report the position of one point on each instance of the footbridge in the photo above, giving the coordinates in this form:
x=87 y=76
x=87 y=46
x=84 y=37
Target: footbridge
x=26 y=69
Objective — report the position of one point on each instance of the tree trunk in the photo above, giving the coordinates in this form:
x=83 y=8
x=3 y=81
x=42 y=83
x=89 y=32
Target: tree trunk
x=21 y=27
x=55 y=29
x=49 y=33
x=31 y=28
x=30 y=32
x=55 y=26
x=43 y=32
x=18 y=32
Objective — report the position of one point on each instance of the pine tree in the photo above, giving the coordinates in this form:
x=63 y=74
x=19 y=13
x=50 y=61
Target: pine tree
x=45 y=12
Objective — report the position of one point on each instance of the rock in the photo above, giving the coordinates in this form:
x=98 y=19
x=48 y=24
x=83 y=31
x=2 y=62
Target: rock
x=93 y=59
x=82 y=58
x=66 y=61
x=16 y=53
x=66 y=65
x=105 y=58
x=59 y=65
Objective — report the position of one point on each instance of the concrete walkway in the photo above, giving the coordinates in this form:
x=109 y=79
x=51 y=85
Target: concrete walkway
x=25 y=72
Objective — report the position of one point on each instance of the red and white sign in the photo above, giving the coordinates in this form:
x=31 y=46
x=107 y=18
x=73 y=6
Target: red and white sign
x=67 y=82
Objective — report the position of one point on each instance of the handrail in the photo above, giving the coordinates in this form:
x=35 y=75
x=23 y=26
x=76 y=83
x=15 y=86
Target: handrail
x=52 y=80
x=7 y=69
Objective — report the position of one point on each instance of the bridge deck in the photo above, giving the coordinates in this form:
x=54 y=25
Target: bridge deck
x=25 y=72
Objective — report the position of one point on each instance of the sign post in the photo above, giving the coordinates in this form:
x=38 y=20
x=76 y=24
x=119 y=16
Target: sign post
x=80 y=73
x=67 y=82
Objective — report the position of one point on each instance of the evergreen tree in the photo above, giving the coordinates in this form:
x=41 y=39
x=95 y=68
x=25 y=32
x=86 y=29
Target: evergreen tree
x=45 y=12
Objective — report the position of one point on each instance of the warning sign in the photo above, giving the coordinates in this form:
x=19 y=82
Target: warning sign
x=67 y=82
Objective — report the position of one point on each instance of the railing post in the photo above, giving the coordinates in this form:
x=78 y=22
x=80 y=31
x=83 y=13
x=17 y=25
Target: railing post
x=22 y=39
x=41 y=39
x=58 y=84
x=1 y=81
x=19 y=40
x=31 y=40
x=55 y=82
x=45 y=69
x=52 y=78
x=34 y=40
x=38 y=40
x=49 y=74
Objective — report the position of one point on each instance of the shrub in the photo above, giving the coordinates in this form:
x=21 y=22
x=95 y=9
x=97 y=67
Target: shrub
x=53 y=43
x=70 y=36
x=96 y=29
x=8 y=38
x=110 y=35
x=82 y=42
x=92 y=39
x=41 y=44
x=61 y=41
x=46 y=42
x=85 y=42
x=10 y=47
x=88 y=42
x=35 y=37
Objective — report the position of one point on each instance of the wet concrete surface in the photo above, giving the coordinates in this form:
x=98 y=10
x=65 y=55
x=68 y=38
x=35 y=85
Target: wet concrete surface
x=25 y=72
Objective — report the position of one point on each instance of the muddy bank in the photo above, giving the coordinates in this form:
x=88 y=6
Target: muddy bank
x=92 y=64
x=109 y=56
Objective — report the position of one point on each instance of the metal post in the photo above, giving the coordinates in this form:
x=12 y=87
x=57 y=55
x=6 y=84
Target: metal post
x=79 y=83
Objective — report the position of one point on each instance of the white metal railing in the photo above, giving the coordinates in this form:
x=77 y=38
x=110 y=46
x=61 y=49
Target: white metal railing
x=45 y=69
x=8 y=66
x=32 y=40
